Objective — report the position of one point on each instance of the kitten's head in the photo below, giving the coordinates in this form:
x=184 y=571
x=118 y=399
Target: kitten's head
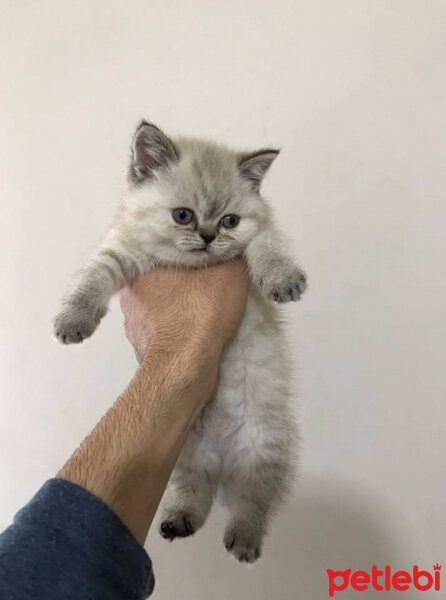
x=197 y=202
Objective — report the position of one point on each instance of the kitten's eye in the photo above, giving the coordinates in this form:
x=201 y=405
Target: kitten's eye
x=230 y=221
x=183 y=216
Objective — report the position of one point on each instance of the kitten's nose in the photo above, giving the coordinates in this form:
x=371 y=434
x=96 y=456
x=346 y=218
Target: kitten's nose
x=207 y=237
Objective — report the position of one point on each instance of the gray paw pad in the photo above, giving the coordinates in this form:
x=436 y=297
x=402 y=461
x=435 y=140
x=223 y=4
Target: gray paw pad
x=177 y=525
x=246 y=547
x=72 y=325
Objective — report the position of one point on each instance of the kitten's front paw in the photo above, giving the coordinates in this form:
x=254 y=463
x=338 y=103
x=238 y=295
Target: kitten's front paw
x=75 y=323
x=285 y=286
x=244 y=543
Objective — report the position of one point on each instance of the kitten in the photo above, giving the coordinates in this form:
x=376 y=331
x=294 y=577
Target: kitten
x=194 y=203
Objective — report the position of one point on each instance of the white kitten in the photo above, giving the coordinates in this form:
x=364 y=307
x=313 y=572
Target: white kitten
x=193 y=203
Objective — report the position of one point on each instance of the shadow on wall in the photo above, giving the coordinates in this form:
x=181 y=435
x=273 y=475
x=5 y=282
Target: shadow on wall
x=333 y=526
x=326 y=525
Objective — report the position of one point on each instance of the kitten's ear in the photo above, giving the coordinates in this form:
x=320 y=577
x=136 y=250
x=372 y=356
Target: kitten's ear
x=254 y=166
x=151 y=150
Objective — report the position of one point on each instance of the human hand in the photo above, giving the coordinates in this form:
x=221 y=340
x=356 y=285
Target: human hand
x=171 y=308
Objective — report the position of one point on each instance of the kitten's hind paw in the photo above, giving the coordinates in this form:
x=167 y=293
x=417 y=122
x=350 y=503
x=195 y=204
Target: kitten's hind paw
x=178 y=524
x=244 y=543
x=73 y=324
x=285 y=286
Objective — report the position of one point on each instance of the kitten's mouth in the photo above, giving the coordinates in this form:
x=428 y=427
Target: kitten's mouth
x=202 y=250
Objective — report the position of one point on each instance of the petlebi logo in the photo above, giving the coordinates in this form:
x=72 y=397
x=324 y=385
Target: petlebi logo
x=384 y=580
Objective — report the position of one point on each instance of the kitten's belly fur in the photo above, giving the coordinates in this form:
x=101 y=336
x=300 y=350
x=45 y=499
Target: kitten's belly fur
x=250 y=422
x=241 y=446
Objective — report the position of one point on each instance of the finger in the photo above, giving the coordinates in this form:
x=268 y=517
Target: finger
x=124 y=299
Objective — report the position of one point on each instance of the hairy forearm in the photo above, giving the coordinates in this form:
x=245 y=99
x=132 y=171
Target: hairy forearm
x=127 y=460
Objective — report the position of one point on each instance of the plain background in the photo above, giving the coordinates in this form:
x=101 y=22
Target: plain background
x=354 y=92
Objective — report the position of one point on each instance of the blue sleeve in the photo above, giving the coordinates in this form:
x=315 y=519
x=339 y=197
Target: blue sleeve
x=68 y=544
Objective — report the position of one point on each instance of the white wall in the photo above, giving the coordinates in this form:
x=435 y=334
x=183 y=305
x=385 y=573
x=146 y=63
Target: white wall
x=354 y=92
